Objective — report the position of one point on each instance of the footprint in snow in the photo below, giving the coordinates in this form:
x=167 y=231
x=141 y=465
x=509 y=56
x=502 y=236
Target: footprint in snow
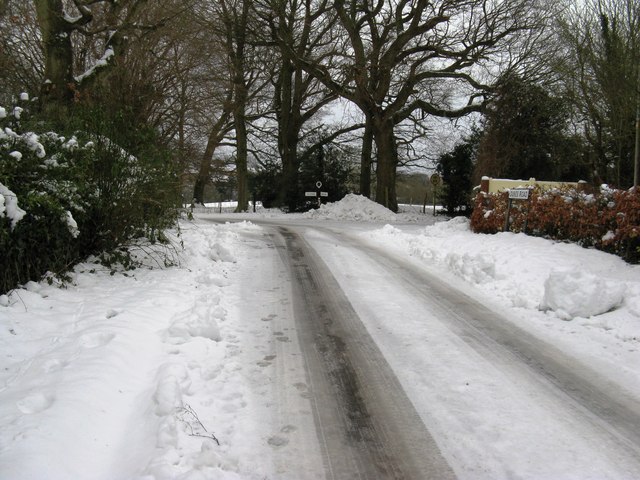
x=277 y=441
x=53 y=365
x=112 y=313
x=96 y=339
x=35 y=403
x=266 y=361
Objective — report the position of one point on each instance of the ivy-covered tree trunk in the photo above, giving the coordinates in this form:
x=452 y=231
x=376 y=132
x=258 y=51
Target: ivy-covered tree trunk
x=57 y=89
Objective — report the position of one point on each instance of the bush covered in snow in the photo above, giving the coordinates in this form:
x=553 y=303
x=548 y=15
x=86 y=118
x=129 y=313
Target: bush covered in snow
x=65 y=196
x=608 y=220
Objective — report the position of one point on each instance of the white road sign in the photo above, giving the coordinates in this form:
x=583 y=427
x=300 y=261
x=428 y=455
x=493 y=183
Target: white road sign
x=519 y=193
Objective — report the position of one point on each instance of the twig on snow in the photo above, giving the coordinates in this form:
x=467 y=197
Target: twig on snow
x=189 y=417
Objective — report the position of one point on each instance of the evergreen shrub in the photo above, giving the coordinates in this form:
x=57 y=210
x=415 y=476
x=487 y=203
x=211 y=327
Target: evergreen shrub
x=86 y=191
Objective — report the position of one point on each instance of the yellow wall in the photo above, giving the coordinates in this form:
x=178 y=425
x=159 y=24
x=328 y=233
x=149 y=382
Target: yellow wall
x=498 y=185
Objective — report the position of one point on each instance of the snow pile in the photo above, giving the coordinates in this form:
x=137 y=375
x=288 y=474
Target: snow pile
x=578 y=294
x=566 y=281
x=353 y=208
x=473 y=268
x=445 y=229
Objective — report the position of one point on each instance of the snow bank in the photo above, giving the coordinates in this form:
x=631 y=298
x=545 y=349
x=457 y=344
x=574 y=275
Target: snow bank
x=578 y=294
x=132 y=375
x=566 y=281
x=353 y=208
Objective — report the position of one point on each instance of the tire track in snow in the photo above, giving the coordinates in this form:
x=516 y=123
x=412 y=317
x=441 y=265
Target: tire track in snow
x=367 y=426
x=600 y=406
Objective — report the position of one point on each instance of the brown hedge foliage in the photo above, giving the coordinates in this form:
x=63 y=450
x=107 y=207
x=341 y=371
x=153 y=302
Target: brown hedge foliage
x=608 y=220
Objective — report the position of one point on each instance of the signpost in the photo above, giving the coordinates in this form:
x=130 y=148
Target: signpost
x=435 y=181
x=517 y=194
x=317 y=194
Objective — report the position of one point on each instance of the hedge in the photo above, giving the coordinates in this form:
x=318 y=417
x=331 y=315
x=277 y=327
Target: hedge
x=66 y=196
x=608 y=220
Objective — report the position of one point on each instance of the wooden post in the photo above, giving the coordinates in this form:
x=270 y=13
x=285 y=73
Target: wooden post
x=435 y=191
x=484 y=184
x=506 y=221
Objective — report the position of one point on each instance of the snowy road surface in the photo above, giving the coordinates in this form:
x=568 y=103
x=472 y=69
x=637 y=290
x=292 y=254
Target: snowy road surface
x=341 y=343
x=367 y=426
x=411 y=378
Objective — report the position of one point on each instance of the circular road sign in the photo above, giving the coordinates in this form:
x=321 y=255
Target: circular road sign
x=435 y=179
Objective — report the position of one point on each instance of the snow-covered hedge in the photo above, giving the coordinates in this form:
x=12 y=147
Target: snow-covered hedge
x=608 y=220
x=63 y=197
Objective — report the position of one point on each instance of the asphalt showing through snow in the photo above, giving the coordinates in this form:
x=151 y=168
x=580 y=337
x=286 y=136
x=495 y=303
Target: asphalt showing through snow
x=368 y=426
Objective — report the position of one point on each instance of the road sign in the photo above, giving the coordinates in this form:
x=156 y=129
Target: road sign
x=324 y=194
x=309 y=194
x=318 y=184
x=518 y=194
x=435 y=179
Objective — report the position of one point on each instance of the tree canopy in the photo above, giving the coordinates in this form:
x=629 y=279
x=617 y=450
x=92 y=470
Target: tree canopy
x=255 y=80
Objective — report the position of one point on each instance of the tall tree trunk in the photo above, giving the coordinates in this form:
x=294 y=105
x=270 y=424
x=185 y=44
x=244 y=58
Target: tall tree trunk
x=204 y=172
x=288 y=133
x=387 y=163
x=237 y=44
x=290 y=167
x=366 y=158
x=218 y=131
x=57 y=90
x=240 y=123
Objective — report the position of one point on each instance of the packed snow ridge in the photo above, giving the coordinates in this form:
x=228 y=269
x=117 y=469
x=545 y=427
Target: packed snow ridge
x=560 y=280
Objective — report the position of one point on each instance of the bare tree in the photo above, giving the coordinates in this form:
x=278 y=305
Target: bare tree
x=228 y=22
x=436 y=58
x=92 y=49
x=601 y=77
x=58 y=22
x=21 y=51
x=297 y=28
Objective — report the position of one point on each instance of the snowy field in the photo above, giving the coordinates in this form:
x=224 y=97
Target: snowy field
x=151 y=374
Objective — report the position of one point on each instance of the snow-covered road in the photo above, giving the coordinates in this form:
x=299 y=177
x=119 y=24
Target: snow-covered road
x=367 y=426
x=500 y=402
x=510 y=356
